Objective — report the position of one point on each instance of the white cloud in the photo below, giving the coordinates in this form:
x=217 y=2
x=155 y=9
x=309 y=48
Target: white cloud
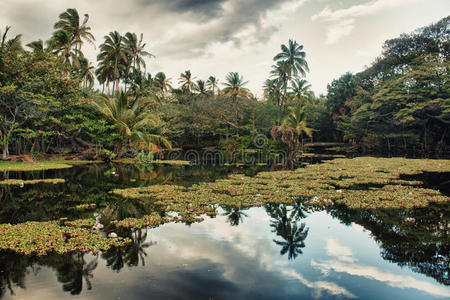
x=342 y=21
x=343 y=261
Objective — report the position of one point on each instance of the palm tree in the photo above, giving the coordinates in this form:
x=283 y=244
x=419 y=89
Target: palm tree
x=113 y=53
x=86 y=72
x=13 y=44
x=63 y=45
x=234 y=88
x=187 y=81
x=294 y=55
x=280 y=72
x=200 y=87
x=297 y=120
x=212 y=83
x=136 y=50
x=69 y=21
x=36 y=46
x=163 y=83
x=301 y=91
x=133 y=118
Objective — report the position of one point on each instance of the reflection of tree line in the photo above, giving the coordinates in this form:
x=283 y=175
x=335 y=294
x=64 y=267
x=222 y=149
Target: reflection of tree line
x=74 y=271
x=88 y=184
x=417 y=238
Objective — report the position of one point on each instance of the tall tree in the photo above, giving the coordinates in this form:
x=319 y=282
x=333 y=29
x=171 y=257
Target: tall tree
x=114 y=54
x=294 y=55
x=78 y=31
x=234 y=88
x=136 y=50
x=212 y=83
x=187 y=81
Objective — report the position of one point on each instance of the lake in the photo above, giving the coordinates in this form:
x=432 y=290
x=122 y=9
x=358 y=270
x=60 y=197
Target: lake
x=272 y=252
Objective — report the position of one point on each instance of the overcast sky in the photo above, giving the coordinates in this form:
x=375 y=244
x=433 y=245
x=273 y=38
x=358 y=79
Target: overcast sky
x=214 y=37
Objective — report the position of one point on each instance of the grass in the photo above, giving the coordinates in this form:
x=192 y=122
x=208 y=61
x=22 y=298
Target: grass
x=34 y=181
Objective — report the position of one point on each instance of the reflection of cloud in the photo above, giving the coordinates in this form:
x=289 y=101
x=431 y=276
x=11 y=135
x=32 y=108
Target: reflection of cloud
x=342 y=21
x=344 y=262
x=335 y=249
x=244 y=248
x=319 y=286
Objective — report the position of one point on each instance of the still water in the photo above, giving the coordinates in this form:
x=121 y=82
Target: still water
x=271 y=252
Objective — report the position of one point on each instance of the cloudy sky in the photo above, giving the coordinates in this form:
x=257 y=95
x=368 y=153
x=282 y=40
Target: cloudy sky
x=214 y=37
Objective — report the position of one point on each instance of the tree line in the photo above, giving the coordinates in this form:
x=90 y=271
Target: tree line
x=50 y=103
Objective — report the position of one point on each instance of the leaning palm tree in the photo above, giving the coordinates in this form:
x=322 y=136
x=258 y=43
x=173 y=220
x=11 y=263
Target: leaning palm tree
x=136 y=49
x=70 y=22
x=234 y=88
x=301 y=91
x=294 y=55
x=134 y=119
x=13 y=44
x=212 y=83
x=113 y=53
x=187 y=81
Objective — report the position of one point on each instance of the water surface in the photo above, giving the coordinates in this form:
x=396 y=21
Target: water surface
x=271 y=252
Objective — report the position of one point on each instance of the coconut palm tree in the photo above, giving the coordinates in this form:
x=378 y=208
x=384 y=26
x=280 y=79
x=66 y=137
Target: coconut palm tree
x=86 y=72
x=63 y=45
x=133 y=118
x=187 y=81
x=69 y=21
x=136 y=50
x=297 y=120
x=13 y=44
x=114 y=54
x=212 y=83
x=200 y=87
x=163 y=83
x=234 y=88
x=280 y=73
x=294 y=55
x=36 y=46
x=301 y=91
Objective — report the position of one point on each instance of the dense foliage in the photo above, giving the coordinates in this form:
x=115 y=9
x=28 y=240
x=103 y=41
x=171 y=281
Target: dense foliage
x=50 y=103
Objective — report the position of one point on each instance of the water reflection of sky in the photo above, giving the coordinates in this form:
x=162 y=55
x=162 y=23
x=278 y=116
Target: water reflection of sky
x=213 y=260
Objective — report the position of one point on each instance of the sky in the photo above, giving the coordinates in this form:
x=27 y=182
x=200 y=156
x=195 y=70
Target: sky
x=215 y=37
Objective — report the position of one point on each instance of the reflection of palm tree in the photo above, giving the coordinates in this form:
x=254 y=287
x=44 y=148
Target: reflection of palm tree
x=284 y=223
x=114 y=258
x=235 y=215
x=136 y=250
x=294 y=237
x=72 y=274
x=14 y=270
x=117 y=257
